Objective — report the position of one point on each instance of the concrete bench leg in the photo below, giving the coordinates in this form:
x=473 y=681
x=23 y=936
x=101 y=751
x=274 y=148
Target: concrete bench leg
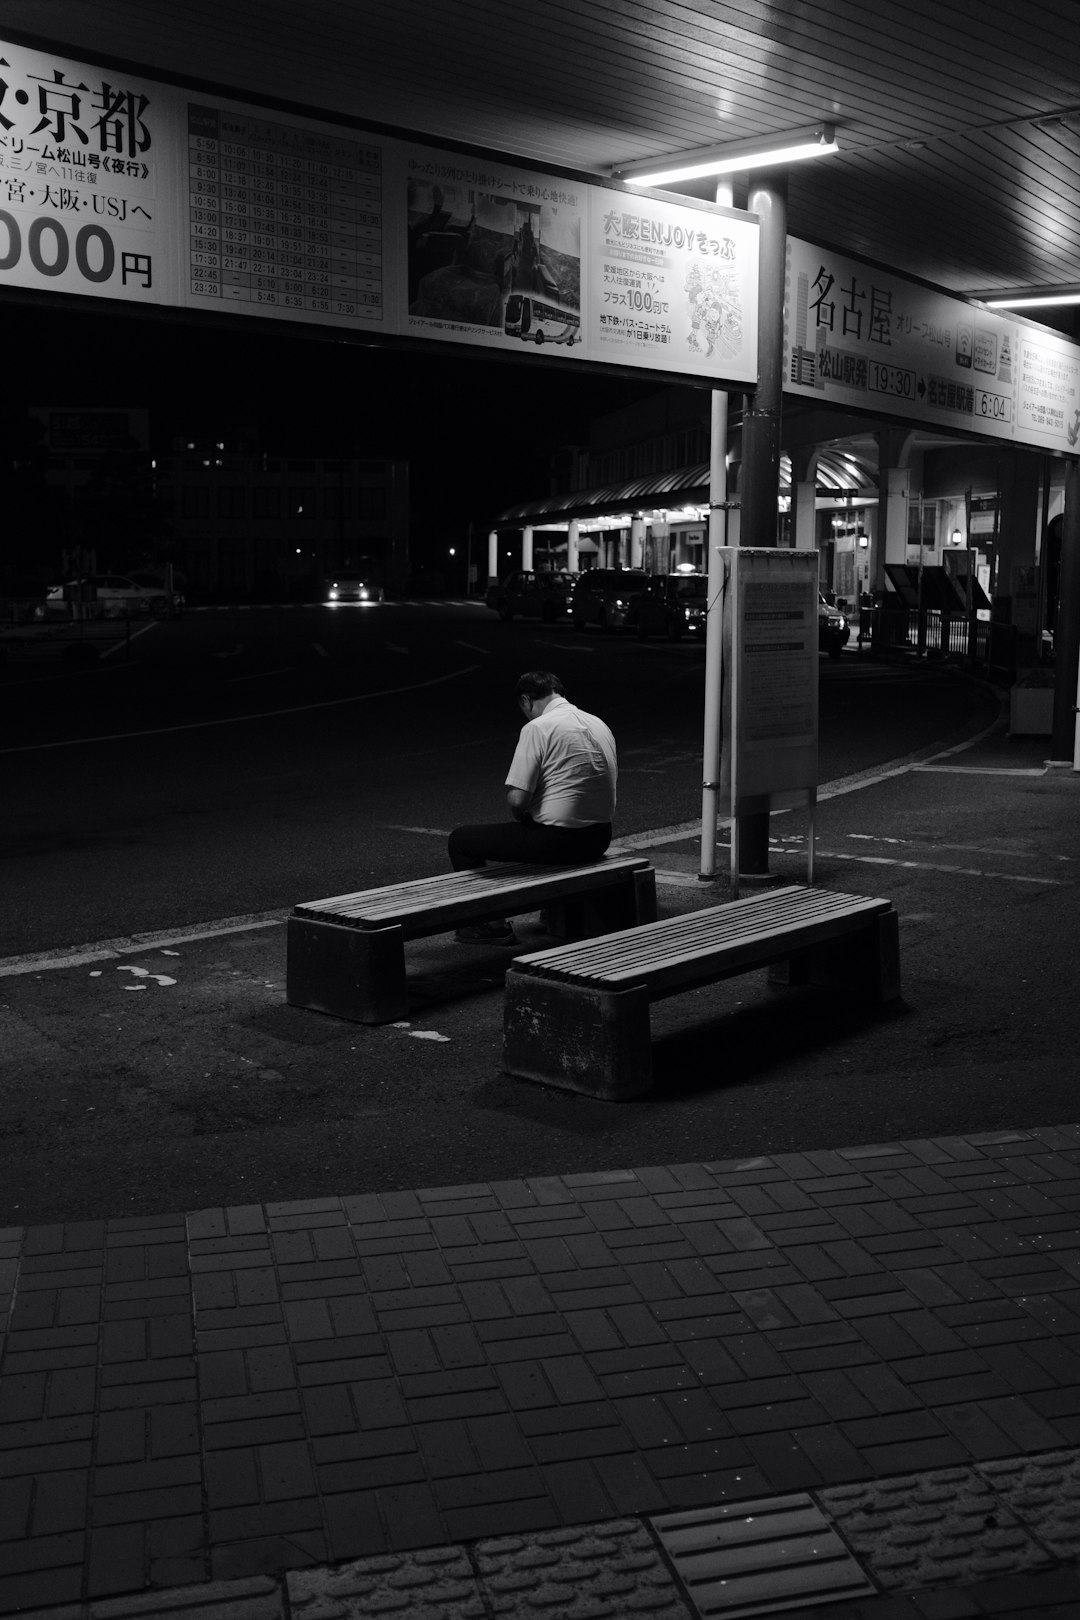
x=596 y=1042
x=356 y=973
x=624 y=905
x=865 y=962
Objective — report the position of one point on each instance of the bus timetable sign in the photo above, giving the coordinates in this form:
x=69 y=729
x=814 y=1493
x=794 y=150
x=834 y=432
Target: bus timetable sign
x=116 y=186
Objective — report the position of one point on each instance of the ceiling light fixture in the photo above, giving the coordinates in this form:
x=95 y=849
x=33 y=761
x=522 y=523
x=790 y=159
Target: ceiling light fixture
x=736 y=156
x=1029 y=299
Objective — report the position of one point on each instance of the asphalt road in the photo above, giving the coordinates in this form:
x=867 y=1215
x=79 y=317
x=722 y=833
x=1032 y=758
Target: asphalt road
x=237 y=762
x=175 y=1076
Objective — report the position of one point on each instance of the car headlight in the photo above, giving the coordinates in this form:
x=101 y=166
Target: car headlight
x=333 y=593
x=841 y=623
x=618 y=602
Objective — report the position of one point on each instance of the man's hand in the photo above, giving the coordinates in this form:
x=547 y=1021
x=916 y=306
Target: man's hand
x=518 y=800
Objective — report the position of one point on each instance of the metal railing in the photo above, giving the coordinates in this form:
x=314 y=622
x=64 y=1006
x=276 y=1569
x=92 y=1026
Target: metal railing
x=925 y=630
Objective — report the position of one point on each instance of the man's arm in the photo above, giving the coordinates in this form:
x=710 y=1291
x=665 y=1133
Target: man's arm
x=519 y=800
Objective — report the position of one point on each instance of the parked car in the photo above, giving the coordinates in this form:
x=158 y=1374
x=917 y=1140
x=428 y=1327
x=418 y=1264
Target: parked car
x=160 y=587
x=353 y=588
x=672 y=605
x=115 y=596
x=605 y=596
x=535 y=595
x=833 y=628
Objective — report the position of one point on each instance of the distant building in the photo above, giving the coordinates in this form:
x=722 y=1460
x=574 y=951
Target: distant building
x=250 y=525
x=236 y=522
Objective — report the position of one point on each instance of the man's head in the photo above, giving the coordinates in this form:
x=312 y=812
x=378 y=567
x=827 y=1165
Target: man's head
x=535 y=690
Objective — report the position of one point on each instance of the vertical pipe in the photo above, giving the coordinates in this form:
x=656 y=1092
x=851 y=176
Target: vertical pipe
x=714 y=631
x=1067 y=629
x=714 y=622
x=760 y=474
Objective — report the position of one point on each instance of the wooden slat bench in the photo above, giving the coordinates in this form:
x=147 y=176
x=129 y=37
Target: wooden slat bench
x=346 y=955
x=577 y=1015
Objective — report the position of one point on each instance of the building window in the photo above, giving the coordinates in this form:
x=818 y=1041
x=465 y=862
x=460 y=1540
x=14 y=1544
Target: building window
x=371 y=502
x=195 y=501
x=337 y=502
x=302 y=501
x=266 y=501
x=231 y=501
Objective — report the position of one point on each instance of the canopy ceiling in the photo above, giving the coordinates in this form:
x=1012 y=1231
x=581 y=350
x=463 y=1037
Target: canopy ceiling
x=959 y=120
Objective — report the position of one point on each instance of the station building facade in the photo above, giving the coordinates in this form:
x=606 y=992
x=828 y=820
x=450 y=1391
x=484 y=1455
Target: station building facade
x=889 y=510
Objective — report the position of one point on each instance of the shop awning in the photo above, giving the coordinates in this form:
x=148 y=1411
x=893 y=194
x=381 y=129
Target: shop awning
x=838 y=473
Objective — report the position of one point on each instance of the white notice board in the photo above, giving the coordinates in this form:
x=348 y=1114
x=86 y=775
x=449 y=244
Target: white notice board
x=771 y=682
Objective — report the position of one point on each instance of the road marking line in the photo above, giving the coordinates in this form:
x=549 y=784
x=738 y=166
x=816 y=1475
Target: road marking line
x=933 y=866
x=136 y=944
x=395 y=826
x=917 y=866
x=261 y=675
x=470 y=647
x=129 y=639
x=984 y=770
x=563 y=646
x=240 y=719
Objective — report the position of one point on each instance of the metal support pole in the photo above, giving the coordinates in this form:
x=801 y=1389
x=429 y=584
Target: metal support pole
x=760 y=475
x=714 y=631
x=714 y=622
x=1067 y=630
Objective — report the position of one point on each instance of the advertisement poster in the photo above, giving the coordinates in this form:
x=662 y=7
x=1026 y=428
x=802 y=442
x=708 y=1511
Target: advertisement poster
x=505 y=258
x=82 y=187
x=859 y=336
x=674 y=288
x=494 y=255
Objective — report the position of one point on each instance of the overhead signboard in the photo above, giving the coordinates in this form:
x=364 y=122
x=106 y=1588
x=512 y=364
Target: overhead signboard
x=119 y=187
x=856 y=335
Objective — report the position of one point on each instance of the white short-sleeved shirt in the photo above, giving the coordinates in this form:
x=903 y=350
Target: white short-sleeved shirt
x=566 y=759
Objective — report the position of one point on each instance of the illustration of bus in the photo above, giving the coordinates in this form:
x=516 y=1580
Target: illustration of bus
x=537 y=322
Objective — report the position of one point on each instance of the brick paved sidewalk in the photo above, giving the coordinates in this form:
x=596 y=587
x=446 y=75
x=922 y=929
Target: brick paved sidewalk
x=249 y=1391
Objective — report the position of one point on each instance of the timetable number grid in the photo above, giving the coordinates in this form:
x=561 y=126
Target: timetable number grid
x=284 y=217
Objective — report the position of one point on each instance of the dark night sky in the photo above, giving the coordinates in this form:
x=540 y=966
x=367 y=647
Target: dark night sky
x=478 y=433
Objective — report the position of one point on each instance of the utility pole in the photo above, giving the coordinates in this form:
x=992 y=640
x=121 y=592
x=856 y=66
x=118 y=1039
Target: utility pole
x=760 y=473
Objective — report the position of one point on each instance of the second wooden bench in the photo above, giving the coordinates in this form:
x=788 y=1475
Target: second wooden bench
x=577 y=1015
x=346 y=955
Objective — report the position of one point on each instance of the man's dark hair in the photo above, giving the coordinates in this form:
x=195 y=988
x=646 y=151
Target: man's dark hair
x=537 y=684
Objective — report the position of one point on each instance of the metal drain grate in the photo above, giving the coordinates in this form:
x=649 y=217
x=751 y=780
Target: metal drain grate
x=760 y=1557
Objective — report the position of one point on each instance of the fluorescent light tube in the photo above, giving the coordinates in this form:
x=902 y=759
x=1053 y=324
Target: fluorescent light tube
x=739 y=155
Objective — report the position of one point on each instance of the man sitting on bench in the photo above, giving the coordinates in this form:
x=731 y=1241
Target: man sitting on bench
x=560 y=790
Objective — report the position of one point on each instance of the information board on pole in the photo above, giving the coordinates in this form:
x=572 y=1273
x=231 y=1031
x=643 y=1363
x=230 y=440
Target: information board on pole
x=771 y=678
x=116 y=186
x=857 y=335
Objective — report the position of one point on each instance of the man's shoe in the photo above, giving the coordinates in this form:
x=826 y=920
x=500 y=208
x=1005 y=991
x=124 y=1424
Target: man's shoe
x=489 y=933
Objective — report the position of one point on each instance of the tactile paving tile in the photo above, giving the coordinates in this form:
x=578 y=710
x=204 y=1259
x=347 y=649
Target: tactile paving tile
x=602 y=1571
x=436 y=1584
x=1044 y=1493
x=760 y=1557
x=596 y=1572
x=919 y=1530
